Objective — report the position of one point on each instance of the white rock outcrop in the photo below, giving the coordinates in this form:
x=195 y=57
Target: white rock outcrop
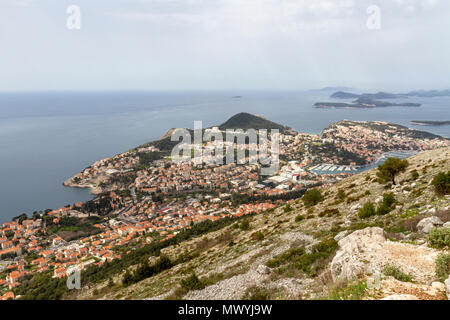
x=341 y=235
x=447 y=287
x=262 y=269
x=347 y=264
x=425 y=225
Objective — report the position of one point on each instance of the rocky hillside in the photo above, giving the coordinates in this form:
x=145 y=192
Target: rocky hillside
x=332 y=246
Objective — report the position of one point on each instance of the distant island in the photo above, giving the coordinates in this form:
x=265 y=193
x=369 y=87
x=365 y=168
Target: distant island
x=430 y=123
x=429 y=93
x=364 y=103
x=372 y=100
x=387 y=95
x=378 y=95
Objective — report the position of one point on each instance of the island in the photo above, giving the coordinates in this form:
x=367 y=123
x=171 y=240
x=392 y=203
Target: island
x=387 y=95
x=364 y=103
x=378 y=95
x=430 y=123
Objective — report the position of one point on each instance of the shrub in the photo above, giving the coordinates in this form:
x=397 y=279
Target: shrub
x=386 y=204
x=441 y=183
x=312 y=197
x=329 y=212
x=192 y=283
x=349 y=292
x=340 y=194
x=256 y=293
x=439 y=237
x=367 y=210
x=415 y=175
x=258 y=236
x=244 y=225
x=310 y=263
x=299 y=218
x=287 y=208
x=287 y=256
x=443 y=266
x=393 y=271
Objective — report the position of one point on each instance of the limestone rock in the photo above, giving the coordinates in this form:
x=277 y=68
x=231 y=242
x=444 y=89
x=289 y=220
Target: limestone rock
x=347 y=265
x=262 y=269
x=425 y=225
x=438 y=286
x=447 y=287
x=341 y=235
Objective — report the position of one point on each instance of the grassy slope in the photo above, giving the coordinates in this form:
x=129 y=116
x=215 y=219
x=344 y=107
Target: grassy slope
x=217 y=261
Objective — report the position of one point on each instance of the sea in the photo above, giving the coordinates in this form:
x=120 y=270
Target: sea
x=47 y=137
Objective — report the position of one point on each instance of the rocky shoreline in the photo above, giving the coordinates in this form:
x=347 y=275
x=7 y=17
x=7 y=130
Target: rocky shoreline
x=95 y=190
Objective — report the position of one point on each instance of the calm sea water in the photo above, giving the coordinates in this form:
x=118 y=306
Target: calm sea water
x=47 y=137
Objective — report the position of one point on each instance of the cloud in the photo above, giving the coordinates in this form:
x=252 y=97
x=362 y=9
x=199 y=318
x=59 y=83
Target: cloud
x=18 y=3
x=265 y=17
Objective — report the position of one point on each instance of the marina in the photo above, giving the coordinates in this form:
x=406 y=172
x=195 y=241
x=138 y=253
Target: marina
x=330 y=169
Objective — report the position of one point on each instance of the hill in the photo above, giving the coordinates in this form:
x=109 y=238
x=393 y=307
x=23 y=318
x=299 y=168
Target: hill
x=242 y=120
x=327 y=250
x=247 y=121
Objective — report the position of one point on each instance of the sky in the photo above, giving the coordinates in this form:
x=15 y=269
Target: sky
x=224 y=44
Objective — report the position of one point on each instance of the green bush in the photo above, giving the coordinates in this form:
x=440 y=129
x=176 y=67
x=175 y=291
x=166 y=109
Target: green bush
x=340 y=194
x=287 y=208
x=312 y=197
x=393 y=271
x=439 y=237
x=256 y=293
x=244 y=225
x=443 y=266
x=415 y=175
x=386 y=204
x=350 y=292
x=441 y=183
x=192 y=283
x=329 y=212
x=258 y=236
x=367 y=210
x=287 y=256
x=310 y=263
x=299 y=218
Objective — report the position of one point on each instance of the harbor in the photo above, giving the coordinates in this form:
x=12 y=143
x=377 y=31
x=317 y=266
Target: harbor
x=332 y=169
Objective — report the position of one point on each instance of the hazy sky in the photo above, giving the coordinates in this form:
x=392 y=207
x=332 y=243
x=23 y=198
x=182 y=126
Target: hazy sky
x=224 y=44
